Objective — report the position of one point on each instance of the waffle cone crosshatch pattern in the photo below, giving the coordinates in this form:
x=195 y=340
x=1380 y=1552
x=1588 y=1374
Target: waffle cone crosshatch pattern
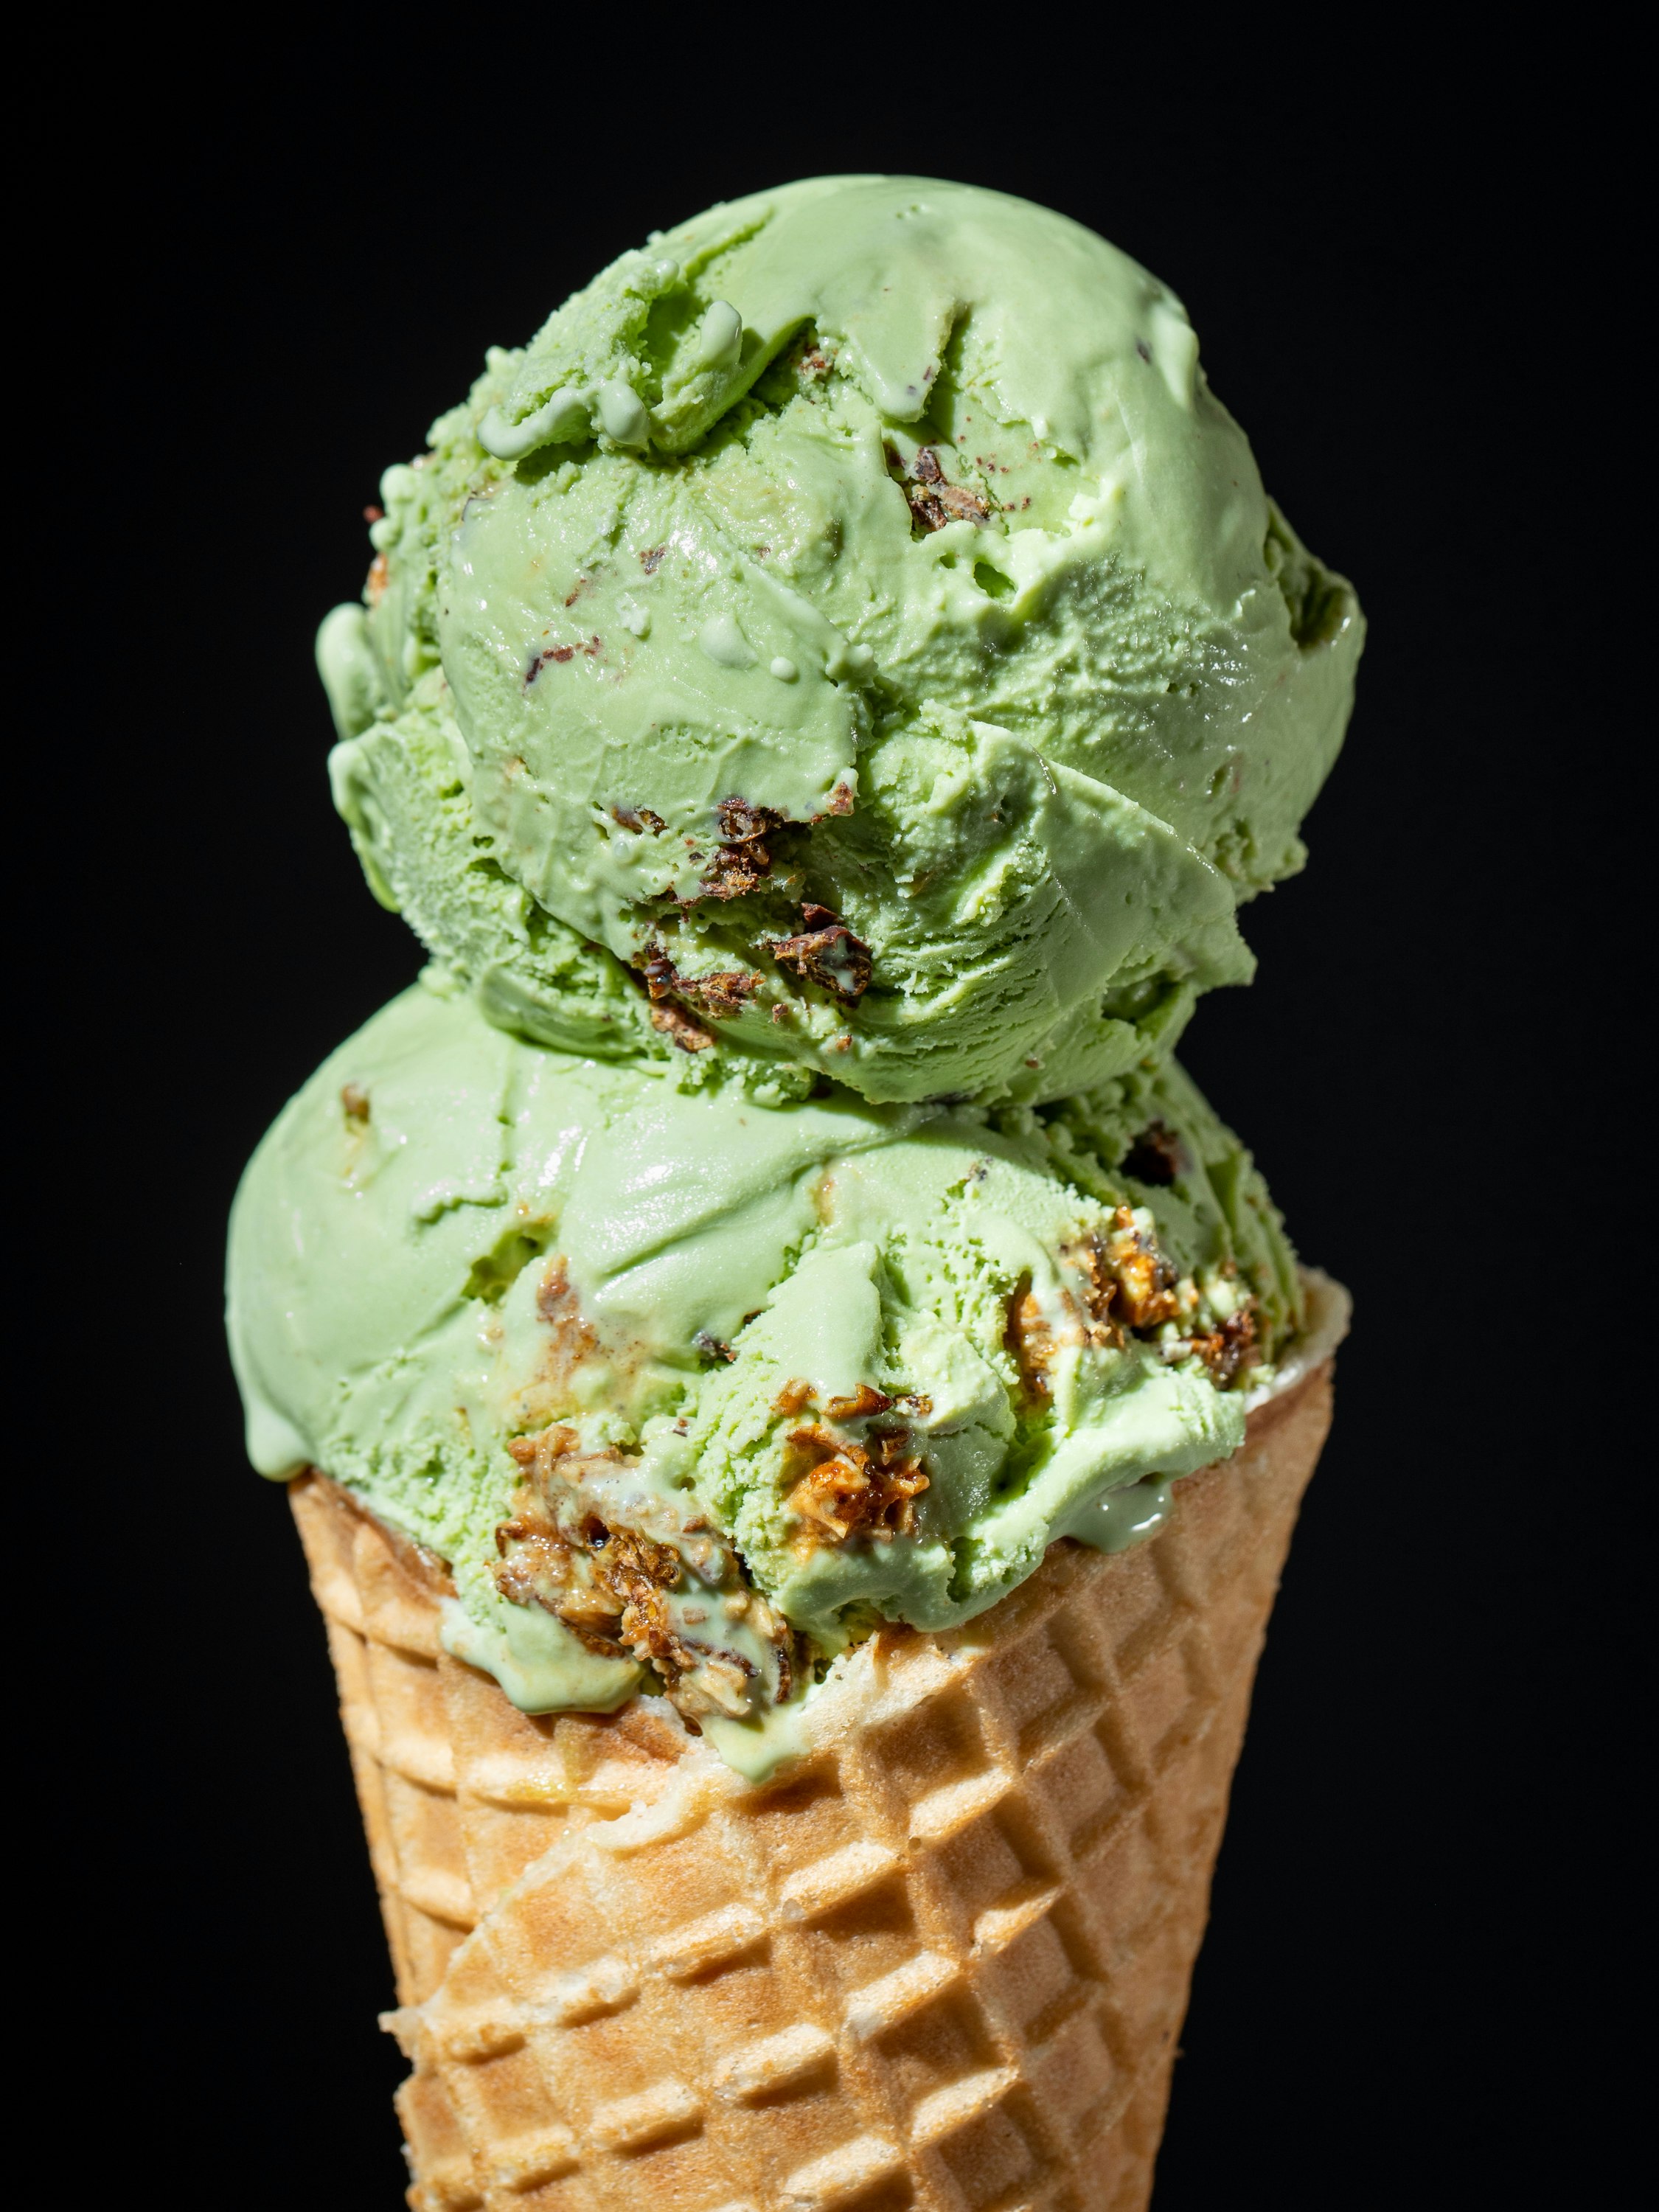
x=941 y=1961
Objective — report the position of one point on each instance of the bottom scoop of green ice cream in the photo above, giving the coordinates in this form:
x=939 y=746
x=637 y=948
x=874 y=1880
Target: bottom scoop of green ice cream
x=690 y=1392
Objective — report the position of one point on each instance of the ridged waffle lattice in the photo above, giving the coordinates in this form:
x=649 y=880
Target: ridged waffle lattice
x=939 y=1963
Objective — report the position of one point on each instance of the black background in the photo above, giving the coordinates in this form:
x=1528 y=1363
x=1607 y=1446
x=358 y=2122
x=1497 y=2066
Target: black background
x=288 y=272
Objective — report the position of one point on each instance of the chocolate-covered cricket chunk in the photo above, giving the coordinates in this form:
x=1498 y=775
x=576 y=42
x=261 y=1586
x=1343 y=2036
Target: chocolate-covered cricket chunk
x=1130 y=1289
x=719 y=994
x=637 y=1573
x=840 y=1489
x=934 y=499
x=1156 y=1155
x=1134 y=1289
x=676 y=1025
x=827 y=952
x=743 y=858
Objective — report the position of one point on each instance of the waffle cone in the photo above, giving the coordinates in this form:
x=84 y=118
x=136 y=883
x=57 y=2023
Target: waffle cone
x=939 y=1962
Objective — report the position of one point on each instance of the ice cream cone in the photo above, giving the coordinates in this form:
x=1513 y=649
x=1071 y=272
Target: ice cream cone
x=941 y=1960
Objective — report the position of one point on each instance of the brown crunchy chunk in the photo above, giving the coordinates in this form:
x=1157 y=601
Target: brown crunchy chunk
x=826 y=952
x=537 y=1454
x=535 y=1560
x=638 y=819
x=615 y=1607
x=1156 y=1155
x=734 y=871
x=720 y=995
x=557 y=1304
x=1101 y=1327
x=840 y=1489
x=1131 y=1283
x=651 y=560
x=934 y=499
x=354 y=1099
x=592 y=647
x=657 y=970
x=1228 y=1350
x=623 y=1592
x=380 y=576
x=675 y=1023
x=743 y=858
x=1145 y=1280
x=1028 y=1340
x=791 y=1398
x=1133 y=1286
x=864 y=1400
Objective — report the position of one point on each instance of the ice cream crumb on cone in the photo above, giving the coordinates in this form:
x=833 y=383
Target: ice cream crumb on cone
x=942 y=1961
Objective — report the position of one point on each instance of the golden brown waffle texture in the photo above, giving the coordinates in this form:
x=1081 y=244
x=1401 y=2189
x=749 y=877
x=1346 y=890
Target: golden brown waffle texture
x=940 y=1963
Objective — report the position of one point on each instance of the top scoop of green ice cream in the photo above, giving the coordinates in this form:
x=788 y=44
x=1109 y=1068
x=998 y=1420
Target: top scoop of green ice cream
x=849 y=638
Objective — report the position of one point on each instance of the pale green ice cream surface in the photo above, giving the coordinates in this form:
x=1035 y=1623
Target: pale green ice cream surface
x=453 y=1239
x=854 y=617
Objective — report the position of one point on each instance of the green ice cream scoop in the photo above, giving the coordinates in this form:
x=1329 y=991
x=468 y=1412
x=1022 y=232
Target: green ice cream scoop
x=812 y=1366
x=849 y=638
